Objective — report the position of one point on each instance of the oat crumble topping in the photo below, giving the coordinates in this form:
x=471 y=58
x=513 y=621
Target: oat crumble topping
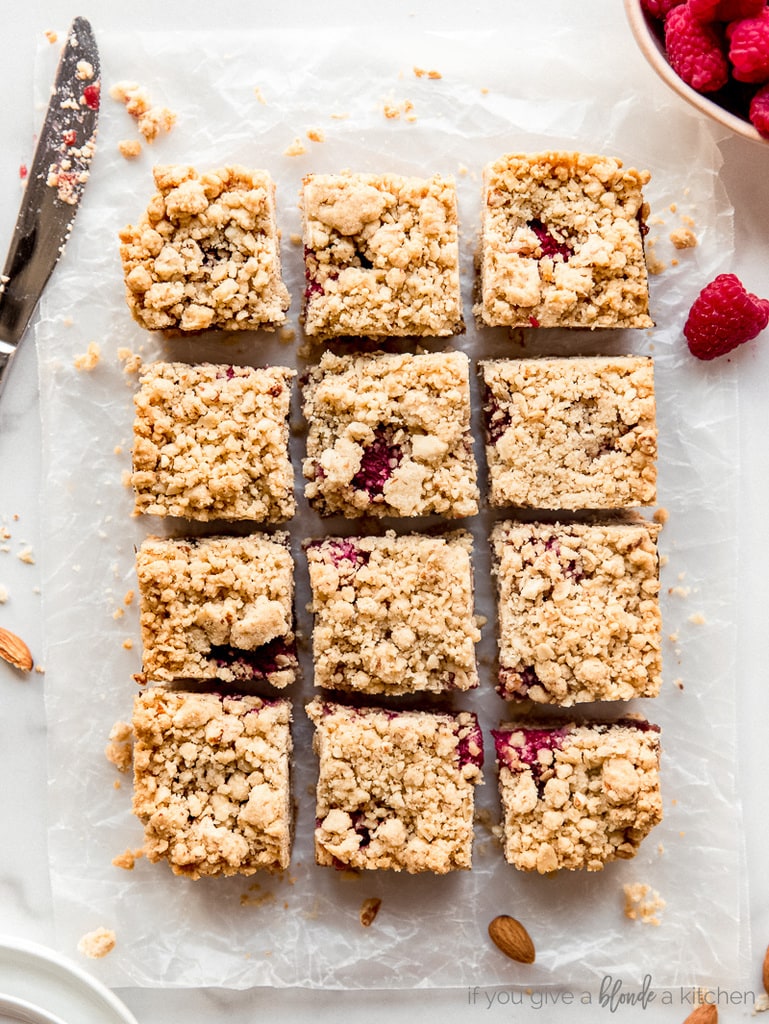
x=97 y=944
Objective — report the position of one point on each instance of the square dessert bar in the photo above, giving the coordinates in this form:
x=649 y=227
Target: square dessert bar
x=217 y=608
x=381 y=256
x=571 y=433
x=211 y=442
x=579 y=615
x=393 y=615
x=577 y=795
x=562 y=243
x=211 y=781
x=389 y=435
x=206 y=253
x=395 y=788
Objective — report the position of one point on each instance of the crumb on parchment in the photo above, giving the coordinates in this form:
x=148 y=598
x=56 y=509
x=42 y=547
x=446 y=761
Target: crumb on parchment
x=683 y=238
x=423 y=73
x=127 y=859
x=129 y=148
x=132 y=361
x=316 y=135
x=26 y=556
x=296 y=148
x=151 y=119
x=90 y=359
x=97 y=944
x=642 y=903
x=119 y=749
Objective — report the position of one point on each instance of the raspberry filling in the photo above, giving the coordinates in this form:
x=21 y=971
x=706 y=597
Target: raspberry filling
x=313 y=285
x=260 y=663
x=378 y=462
x=343 y=549
x=470 y=747
x=497 y=420
x=518 y=758
x=550 y=245
x=517 y=682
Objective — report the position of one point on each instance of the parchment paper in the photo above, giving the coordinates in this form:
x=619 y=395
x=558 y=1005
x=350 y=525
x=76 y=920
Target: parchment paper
x=303 y=929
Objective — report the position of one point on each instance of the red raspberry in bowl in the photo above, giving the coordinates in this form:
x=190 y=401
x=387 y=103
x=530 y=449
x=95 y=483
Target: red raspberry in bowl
x=723 y=316
x=725 y=10
x=696 y=50
x=659 y=8
x=759 y=111
x=749 y=48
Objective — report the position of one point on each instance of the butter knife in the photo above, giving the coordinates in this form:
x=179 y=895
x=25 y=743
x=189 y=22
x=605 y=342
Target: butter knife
x=55 y=183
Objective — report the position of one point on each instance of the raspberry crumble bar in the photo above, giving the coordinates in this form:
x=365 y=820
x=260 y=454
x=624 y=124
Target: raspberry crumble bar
x=571 y=433
x=562 y=243
x=389 y=435
x=579 y=615
x=211 y=781
x=577 y=795
x=211 y=442
x=217 y=608
x=381 y=256
x=393 y=615
x=395 y=788
x=206 y=253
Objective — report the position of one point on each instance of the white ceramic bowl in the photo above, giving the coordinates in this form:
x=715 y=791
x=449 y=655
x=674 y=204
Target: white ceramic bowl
x=651 y=46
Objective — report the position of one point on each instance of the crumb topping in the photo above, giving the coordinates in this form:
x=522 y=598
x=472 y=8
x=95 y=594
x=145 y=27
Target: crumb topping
x=389 y=435
x=98 y=943
x=395 y=789
x=562 y=242
x=393 y=614
x=642 y=903
x=217 y=608
x=381 y=256
x=211 y=442
x=211 y=782
x=579 y=615
x=206 y=252
x=571 y=433
x=577 y=796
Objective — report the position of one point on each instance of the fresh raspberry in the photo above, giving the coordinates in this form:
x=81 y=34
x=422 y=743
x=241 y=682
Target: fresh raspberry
x=749 y=48
x=695 y=50
x=759 y=111
x=723 y=316
x=660 y=8
x=726 y=10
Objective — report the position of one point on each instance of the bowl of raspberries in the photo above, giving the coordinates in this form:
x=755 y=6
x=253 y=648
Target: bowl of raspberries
x=713 y=53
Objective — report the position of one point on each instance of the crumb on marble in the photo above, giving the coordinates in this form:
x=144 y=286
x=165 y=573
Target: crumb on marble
x=369 y=910
x=683 y=238
x=90 y=359
x=26 y=556
x=129 y=149
x=642 y=903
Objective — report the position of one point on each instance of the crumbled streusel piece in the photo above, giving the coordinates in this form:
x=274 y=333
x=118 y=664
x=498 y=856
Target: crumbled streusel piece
x=206 y=253
x=98 y=943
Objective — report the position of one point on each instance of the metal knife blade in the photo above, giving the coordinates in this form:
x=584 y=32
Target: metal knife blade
x=59 y=171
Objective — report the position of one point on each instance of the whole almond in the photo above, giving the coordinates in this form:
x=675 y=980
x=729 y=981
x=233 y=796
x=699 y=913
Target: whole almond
x=512 y=939
x=765 y=971
x=707 y=1013
x=369 y=910
x=14 y=650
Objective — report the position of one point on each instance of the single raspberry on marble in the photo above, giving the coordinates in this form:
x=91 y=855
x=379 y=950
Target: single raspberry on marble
x=723 y=316
x=759 y=111
x=725 y=10
x=660 y=8
x=749 y=48
x=695 y=50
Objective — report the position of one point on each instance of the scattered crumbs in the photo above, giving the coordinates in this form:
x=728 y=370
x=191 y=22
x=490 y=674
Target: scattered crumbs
x=660 y=849
x=673 y=207
x=679 y=591
x=287 y=335
x=118 y=613
x=129 y=597
x=761 y=1004
x=97 y=944
x=3 y=594
x=369 y=910
x=683 y=238
x=393 y=110
x=259 y=96
x=150 y=118
x=254 y=897
x=26 y=556
x=654 y=220
x=129 y=148
x=681 y=834
x=698 y=619
x=673 y=638
x=422 y=73
x=674 y=262
x=40 y=669
x=484 y=90
x=118 y=750
x=297 y=148
x=128 y=643
x=642 y=903
x=131 y=360
x=84 y=70
x=117 y=784
x=125 y=478
x=674 y=803
x=661 y=516
x=90 y=359
x=653 y=264
x=52 y=36
x=462 y=170
x=5 y=533
x=315 y=135
x=5 y=548
x=295 y=238
x=339 y=116
x=664 y=559
x=117 y=450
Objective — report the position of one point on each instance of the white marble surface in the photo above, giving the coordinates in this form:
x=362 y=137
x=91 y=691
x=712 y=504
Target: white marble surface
x=25 y=906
